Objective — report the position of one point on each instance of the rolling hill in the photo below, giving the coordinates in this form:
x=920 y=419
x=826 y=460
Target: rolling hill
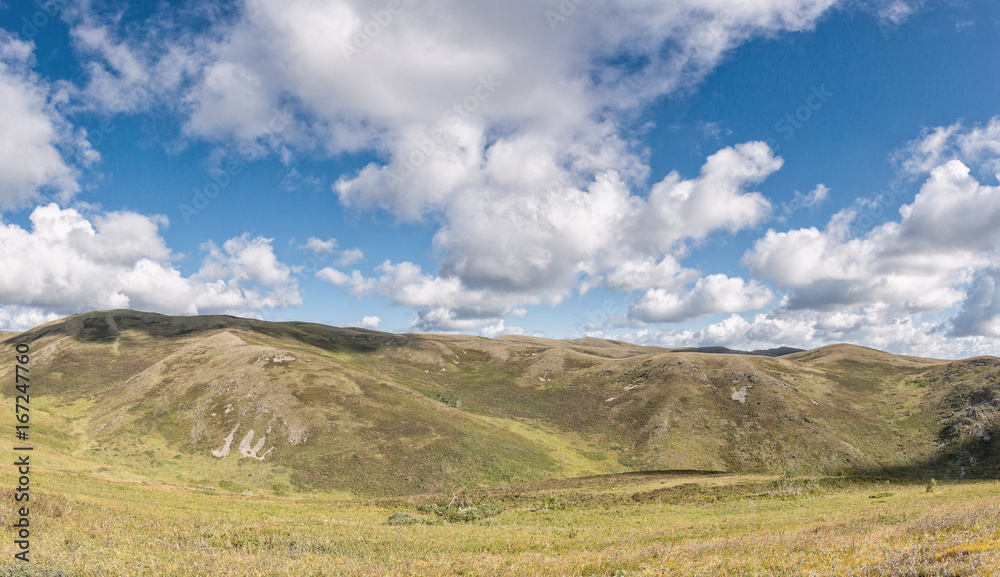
x=246 y=405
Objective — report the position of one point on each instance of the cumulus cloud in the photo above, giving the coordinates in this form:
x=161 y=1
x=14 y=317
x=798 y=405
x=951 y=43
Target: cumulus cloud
x=35 y=139
x=117 y=75
x=68 y=262
x=895 y=12
x=980 y=314
x=879 y=325
x=442 y=304
x=509 y=247
x=923 y=260
x=346 y=61
x=712 y=294
x=811 y=199
x=510 y=139
x=976 y=146
x=19 y=318
x=328 y=247
x=320 y=246
x=133 y=66
x=350 y=256
x=517 y=154
x=498 y=330
x=367 y=323
x=892 y=287
x=245 y=259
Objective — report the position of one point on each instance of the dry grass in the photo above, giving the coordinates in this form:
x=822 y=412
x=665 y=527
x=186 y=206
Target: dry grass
x=728 y=527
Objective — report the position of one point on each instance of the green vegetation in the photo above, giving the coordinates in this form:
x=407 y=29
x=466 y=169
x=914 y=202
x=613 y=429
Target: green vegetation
x=148 y=397
x=636 y=525
x=463 y=509
x=223 y=446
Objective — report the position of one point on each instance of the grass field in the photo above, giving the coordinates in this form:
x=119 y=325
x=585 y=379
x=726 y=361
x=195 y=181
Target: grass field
x=623 y=525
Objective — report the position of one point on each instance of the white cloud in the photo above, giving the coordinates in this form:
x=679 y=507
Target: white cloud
x=980 y=314
x=130 y=66
x=922 y=261
x=712 y=294
x=334 y=276
x=367 y=323
x=517 y=153
x=509 y=247
x=882 y=326
x=813 y=198
x=320 y=246
x=716 y=200
x=509 y=137
x=68 y=262
x=245 y=260
x=19 y=318
x=923 y=154
x=939 y=257
x=640 y=274
x=350 y=256
x=228 y=98
x=978 y=146
x=498 y=330
x=325 y=247
x=34 y=137
x=442 y=304
x=117 y=77
x=896 y=12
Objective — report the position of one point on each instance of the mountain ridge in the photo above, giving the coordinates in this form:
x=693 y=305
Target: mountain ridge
x=305 y=407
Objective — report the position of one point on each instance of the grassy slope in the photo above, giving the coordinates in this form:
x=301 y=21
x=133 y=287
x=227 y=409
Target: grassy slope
x=135 y=395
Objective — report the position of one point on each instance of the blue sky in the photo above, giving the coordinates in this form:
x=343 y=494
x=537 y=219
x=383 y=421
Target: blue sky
x=750 y=174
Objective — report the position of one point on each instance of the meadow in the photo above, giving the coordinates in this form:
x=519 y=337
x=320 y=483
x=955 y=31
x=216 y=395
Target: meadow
x=639 y=524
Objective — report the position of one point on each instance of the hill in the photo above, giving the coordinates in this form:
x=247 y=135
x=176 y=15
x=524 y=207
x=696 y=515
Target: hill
x=242 y=404
x=778 y=352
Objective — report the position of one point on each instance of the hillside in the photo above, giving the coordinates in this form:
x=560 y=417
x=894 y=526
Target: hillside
x=242 y=404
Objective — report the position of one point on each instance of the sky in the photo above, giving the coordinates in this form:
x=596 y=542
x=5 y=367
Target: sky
x=745 y=173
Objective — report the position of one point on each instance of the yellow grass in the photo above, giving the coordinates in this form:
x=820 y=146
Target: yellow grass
x=720 y=526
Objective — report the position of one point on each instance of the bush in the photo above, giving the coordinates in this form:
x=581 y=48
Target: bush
x=400 y=518
x=450 y=399
x=463 y=509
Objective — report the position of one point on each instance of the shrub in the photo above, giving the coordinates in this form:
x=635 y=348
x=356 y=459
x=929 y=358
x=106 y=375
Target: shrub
x=401 y=518
x=461 y=509
x=450 y=399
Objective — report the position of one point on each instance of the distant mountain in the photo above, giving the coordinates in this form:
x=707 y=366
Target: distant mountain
x=778 y=352
x=241 y=404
